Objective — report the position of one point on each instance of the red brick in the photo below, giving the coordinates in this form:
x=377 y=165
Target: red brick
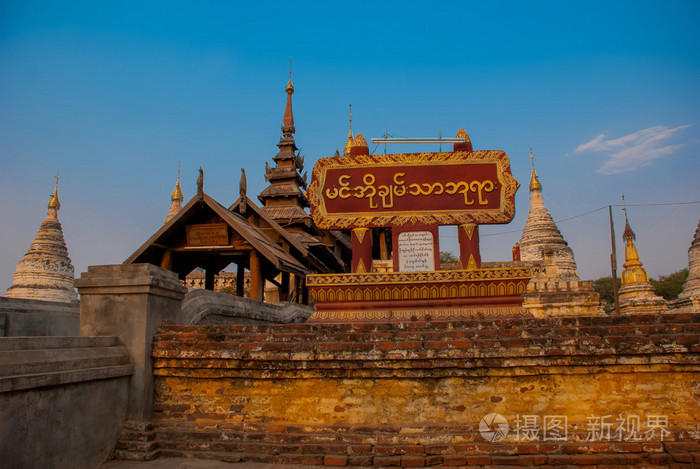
x=613 y=459
x=453 y=460
x=682 y=457
x=515 y=342
x=437 y=449
x=672 y=446
x=505 y=460
x=486 y=343
x=653 y=447
x=585 y=459
x=459 y=344
x=385 y=450
x=660 y=458
x=434 y=460
x=360 y=449
x=483 y=460
x=412 y=461
x=628 y=447
x=312 y=460
x=412 y=449
x=410 y=344
x=526 y=449
x=335 y=460
x=382 y=461
x=533 y=460
x=408 y=336
x=559 y=459
x=435 y=344
x=386 y=345
x=362 y=461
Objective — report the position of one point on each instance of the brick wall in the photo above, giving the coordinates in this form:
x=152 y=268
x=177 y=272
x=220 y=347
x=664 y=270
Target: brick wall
x=573 y=391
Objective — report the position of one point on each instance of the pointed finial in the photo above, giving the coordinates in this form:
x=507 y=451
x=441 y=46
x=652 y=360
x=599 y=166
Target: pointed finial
x=628 y=234
x=359 y=146
x=200 y=183
x=54 y=203
x=348 y=143
x=288 y=118
x=243 y=185
x=243 y=189
x=177 y=192
x=462 y=146
x=290 y=87
x=534 y=181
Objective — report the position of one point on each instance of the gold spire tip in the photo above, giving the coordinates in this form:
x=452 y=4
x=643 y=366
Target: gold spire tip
x=54 y=203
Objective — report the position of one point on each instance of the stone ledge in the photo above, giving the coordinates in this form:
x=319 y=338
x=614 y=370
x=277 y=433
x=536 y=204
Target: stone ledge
x=27 y=363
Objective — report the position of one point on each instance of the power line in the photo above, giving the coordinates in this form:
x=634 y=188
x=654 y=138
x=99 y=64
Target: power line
x=597 y=210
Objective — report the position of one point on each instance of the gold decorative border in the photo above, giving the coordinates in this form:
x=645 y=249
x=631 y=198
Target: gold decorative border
x=438 y=276
x=326 y=221
x=403 y=292
x=435 y=314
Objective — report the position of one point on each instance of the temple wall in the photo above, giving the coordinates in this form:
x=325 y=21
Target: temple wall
x=62 y=400
x=21 y=317
x=576 y=390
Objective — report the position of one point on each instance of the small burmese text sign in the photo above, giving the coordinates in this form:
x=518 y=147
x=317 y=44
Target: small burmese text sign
x=416 y=251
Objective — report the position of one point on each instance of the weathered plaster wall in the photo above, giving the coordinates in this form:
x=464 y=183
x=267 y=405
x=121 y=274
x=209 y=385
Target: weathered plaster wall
x=62 y=400
x=20 y=317
x=415 y=393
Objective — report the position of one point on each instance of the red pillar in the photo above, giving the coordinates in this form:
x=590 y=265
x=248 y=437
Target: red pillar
x=361 y=250
x=469 y=255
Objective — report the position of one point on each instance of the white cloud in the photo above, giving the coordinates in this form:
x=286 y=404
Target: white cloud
x=633 y=151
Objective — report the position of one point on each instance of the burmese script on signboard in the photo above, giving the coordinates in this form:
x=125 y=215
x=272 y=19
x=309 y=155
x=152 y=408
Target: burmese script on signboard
x=215 y=234
x=416 y=251
x=374 y=191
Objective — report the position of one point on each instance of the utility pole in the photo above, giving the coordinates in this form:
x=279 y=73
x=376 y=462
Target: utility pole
x=613 y=262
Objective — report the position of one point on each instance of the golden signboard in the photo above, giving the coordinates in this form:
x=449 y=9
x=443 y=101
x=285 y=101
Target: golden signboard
x=215 y=234
x=447 y=188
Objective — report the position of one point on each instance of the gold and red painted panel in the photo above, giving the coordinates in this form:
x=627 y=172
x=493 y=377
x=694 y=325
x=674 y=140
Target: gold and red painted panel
x=447 y=188
x=446 y=294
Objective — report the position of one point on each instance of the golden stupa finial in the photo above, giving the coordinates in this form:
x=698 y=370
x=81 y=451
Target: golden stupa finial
x=633 y=272
x=534 y=180
x=177 y=192
x=290 y=87
x=54 y=203
x=348 y=143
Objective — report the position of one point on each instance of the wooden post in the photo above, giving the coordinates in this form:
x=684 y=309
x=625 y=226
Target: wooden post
x=257 y=283
x=167 y=261
x=209 y=279
x=240 y=280
x=383 y=251
x=284 y=287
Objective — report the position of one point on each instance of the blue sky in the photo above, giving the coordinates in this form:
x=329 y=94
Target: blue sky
x=114 y=94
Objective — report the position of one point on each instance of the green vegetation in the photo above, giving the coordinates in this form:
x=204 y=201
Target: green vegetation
x=669 y=286
x=446 y=257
